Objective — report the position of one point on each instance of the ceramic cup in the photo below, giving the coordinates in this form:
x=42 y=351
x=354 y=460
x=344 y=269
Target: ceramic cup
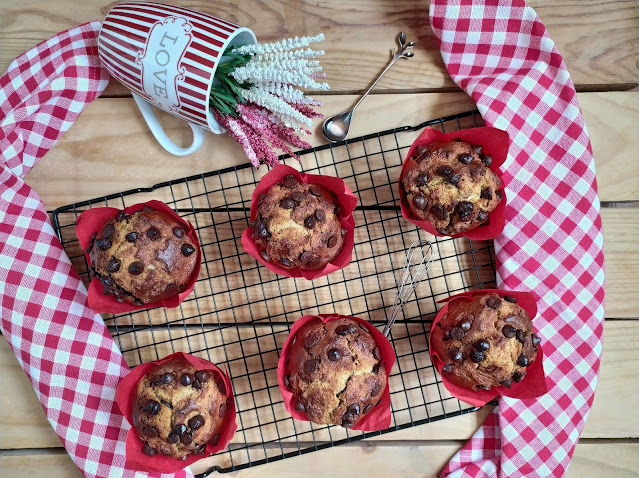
x=167 y=56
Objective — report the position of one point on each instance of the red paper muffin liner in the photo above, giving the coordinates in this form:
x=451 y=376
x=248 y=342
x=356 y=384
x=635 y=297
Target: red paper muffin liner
x=125 y=398
x=495 y=142
x=379 y=417
x=92 y=220
x=345 y=198
x=534 y=382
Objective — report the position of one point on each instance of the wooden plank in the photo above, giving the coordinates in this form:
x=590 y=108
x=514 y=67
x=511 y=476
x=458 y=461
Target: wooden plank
x=614 y=414
x=598 y=43
x=110 y=148
x=412 y=459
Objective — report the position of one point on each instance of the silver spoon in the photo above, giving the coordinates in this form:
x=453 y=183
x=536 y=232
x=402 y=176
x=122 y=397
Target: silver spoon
x=336 y=127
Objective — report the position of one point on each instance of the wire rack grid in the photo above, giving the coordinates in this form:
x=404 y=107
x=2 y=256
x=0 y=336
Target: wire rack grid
x=240 y=313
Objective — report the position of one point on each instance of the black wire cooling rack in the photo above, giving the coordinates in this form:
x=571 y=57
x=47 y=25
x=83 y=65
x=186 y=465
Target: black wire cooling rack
x=240 y=313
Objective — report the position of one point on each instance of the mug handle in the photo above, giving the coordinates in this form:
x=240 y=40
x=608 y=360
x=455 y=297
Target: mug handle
x=161 y=136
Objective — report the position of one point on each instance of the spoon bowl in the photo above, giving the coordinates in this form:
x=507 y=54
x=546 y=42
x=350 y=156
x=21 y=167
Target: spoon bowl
x=336 y=127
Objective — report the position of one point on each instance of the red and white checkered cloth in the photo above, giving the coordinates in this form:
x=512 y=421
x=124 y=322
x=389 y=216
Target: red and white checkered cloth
x=501 y=54
x=65 y=349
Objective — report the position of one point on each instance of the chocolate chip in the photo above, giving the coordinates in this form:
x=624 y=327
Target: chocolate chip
x=439 y=212
x=196 y=422
x=494 y=302
x=420 y=202
x=306 y=257
x=311 y=340
x=103 y=244
x=186 y=379
x=444 y=170
x=458 y=139
x=521 y=336
x=421 y=153
x=508 y=331
x=367 y=408
x=314 y=191
x=320 y=215
x=376 y=368
x=131 y=236
x=297 y=196
x=454 y=179
x=477 y=356
x=151 y=407
x=136 y=268
x=465 y=158
x=221 y=385
x=287 y=203
x=171 y=289
x=178 y=231
x=91 y=243
x=377 y=353
x=153 y=233
x=215 y=440
x=456 y=333
x=337 y=210
x=333 y=355
x=113 y=265
x=147 y=450
x=222 y=411
x=343 y=231
x=377 y=389
x=167 y=378
x=299 y=406
x=447 y=369
x=476 y=148
x=290 y=181
x=186 y=439
x=156 y=380
x=518 y=376
x=464 y=209
x=499 y=193
x=353 y=409
x=265 y=256
x=199 y=450
x=523 y=361
x=167 y=405
x=482 y=216
x=150 y=431
x=261 y=229
x=108 y=231
x=345 y=329
x=173 y=438
x=187 y=249
x=482 y=387
x=535 y=340
x=508 y=298
x=285 y=262
x=507 y=383
x=482 y=345
x=421 y=180
x=487 y=193
x=309 y=222
x=260 y=198
x=118 y=297
x=331 y=241
x=120 y=216
x=456 y=355
x=487 y=159
x=465 y=325
x=311 y=366
x=107 y=290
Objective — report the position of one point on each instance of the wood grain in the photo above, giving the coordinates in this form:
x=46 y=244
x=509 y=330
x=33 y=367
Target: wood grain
x=599 y=44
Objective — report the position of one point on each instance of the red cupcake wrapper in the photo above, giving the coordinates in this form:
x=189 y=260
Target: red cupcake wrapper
x=346 y=199
x=495 y=142
x=125 y=398
x=534 y=382
x=379 y=417
x=92 y=220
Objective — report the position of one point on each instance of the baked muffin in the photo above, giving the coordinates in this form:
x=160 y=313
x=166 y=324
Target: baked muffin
x=298 y=225
x=485 y=343
x=143 y=257
x=178 y=409
x=335 y=371
x=451 y=186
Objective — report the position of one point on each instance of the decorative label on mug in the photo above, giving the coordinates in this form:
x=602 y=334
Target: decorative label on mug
x=164 y=49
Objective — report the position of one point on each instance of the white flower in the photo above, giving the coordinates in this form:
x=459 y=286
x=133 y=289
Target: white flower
x=280 y=46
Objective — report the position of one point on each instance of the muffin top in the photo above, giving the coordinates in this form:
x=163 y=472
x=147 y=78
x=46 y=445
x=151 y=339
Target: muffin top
x=485 y=343
x=298 y=225
x=144 y=257
x=179 y=409
x=451 y=186
x=335 y=371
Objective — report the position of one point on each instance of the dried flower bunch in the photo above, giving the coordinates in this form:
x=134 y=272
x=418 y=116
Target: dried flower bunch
x=258 y=100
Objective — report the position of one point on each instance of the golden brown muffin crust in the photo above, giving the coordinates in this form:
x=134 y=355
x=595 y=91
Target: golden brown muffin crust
x=144 y=257
x=298 y=225
x=485 y=343
x=335 y=371
x=179 y=409
x=451 y=186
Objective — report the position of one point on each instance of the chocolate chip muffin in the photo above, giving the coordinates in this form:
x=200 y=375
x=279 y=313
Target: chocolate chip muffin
x=485 y=343
x=143 y=257
x=451 y=186
x=298 y=225
x=179 y=409
x=335 y=371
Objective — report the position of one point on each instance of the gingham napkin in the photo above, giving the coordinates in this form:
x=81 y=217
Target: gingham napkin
x=64 y=348
x=501 y=54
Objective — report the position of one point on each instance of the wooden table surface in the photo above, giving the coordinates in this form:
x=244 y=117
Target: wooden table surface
x=110 y=149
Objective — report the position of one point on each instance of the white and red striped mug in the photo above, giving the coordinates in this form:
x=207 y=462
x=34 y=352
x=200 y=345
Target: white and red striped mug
x=167 y=56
